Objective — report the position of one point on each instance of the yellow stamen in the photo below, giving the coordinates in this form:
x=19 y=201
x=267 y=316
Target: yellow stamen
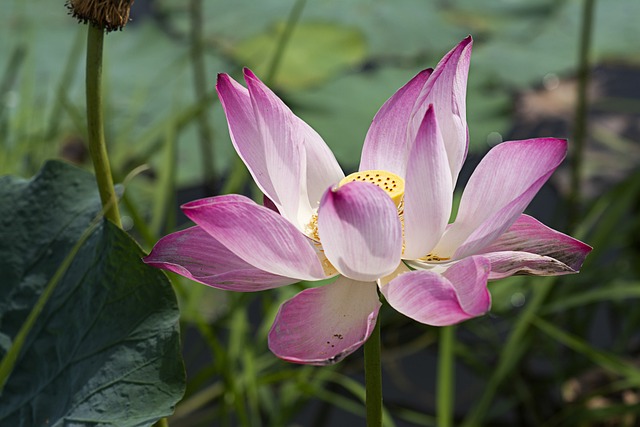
x=311 y=229
x=391 y=183
x=433 y=257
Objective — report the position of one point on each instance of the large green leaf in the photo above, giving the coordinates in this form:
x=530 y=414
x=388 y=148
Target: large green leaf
x=105 y=350
x=316 y=52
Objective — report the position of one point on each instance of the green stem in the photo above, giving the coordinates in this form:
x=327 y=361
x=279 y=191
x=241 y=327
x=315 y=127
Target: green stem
x=283 y=41
x=165 y=196
x=373 y=378
x=580 y=122
x=95 y=125
x=446 y=374
x=64 y=86
x=200 y=87
x=11 y=75
x=11 y=356
x=511 y=353
x=162 y=422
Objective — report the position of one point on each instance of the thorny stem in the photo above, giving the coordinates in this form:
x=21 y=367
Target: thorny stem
x=95 y=125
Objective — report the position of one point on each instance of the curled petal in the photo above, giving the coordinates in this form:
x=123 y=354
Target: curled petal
x=194 y=254
x=500 y=188
x=428 y=190
x=360 y=231
x=442 y=299
x=529 y=235
x=321 y=326
x=387 y=144
x=469 y=278
x=257 y=235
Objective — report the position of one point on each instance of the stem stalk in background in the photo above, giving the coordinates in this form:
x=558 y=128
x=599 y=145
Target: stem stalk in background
x=446 y=377
x=95 y=125
x=200 y=88
x=276 y=59
x=373 y=378
x=580 y=121
x=511 y=353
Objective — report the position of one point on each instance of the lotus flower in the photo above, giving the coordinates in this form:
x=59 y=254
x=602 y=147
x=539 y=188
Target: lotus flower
x=384 y=228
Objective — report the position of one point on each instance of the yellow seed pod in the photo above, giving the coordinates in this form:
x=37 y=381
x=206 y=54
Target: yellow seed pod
x=391 y=183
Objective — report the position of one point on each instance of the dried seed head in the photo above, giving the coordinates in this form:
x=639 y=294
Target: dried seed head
x=109 y=15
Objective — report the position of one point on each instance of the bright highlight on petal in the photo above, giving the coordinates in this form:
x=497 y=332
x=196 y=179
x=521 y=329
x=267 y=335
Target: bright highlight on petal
x=429 y=192
x=360 y=231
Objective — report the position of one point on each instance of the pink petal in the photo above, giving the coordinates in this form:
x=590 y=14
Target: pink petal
x=323 y=169
x=243 y=130
x=266 y=135
x=194 y=254
x=529 y=235
x=284 y=150
x=498 y=191
x=257 y=235
x=469 y=278
x=321 y=326
x=446 y=90
x=428 y=190
x=434 y=299
x=387 y=144
x=360 y=231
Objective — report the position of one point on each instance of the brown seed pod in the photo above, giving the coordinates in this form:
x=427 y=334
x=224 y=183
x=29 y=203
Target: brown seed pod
x=109 y=15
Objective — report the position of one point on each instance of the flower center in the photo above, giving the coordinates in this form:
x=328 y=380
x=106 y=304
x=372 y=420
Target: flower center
x=391 y=183
x=430 y=257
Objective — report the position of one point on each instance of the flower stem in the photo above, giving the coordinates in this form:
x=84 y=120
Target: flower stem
x=95 y=125
x=162 y=422
x=446 y=386
x=580 y=121
x=373 y=378
x=283 y=41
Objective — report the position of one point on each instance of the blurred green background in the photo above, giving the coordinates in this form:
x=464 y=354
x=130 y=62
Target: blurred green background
x=340 y=62
x=343 y=60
